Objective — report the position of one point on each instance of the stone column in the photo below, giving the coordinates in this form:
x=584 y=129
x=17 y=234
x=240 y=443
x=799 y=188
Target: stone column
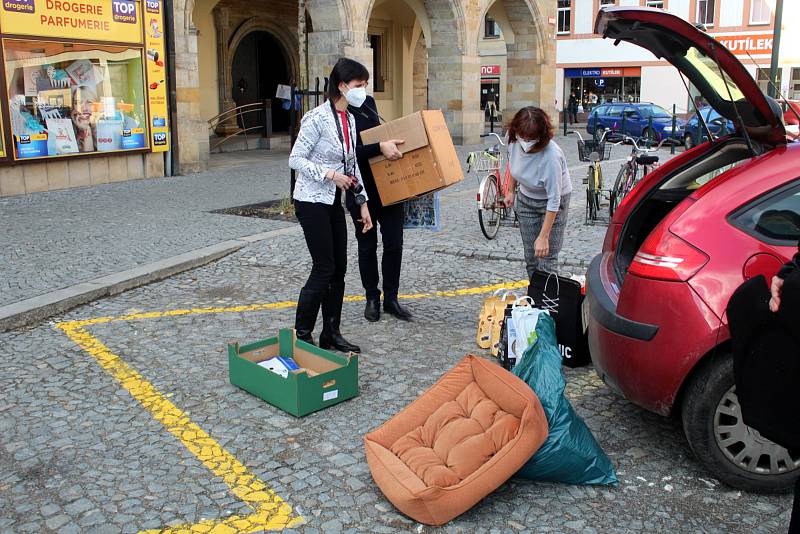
x=453 y=87
x=454 y=67
x=326 y=47
x=531 y=59
x=191 y=130
x=225 y=86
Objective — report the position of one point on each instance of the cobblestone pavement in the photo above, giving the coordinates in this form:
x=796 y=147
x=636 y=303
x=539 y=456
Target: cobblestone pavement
x=57 y=239
x=78 y=453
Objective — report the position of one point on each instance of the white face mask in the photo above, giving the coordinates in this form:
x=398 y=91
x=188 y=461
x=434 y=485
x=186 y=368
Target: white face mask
x=526 y=145
x=356 y=96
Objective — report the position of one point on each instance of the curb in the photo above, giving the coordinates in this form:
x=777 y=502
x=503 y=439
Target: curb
x=35 y=309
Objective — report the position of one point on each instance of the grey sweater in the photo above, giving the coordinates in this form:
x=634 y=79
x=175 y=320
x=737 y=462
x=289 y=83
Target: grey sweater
x=541 y=175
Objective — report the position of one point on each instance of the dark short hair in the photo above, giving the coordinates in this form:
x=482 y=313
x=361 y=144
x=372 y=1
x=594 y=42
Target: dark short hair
x=531 y=123
x=346 y=70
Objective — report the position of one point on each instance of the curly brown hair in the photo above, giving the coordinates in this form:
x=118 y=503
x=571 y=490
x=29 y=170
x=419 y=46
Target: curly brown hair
x=531 y=123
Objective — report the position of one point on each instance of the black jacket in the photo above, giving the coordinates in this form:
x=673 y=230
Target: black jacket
x=766 y=358
x=366 y=117
x=792 y=266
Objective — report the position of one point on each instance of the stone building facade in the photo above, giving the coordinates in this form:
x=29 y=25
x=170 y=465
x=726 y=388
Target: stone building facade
x=421 y=53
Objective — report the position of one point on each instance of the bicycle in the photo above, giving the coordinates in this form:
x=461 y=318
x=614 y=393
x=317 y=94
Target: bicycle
x=628 y=175
x=594 y=151
x=492 y=211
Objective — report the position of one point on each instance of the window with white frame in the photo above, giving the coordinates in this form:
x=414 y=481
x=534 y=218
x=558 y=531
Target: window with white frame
x=655 y=3
x=564 y=16
x=608 y=2
x=794 y=88
x=760 y=12
x=705 y=12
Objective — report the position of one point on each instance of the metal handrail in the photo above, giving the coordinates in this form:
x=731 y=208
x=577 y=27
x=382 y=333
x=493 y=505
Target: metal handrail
x=239 y=112
x=218 y=118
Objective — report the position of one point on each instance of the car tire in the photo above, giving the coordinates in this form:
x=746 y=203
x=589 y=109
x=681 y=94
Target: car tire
x=708 y=402
x=688 y=141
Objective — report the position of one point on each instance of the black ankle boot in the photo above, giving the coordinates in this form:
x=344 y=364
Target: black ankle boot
x=392 y=307
x=372 y=311
x=308 y=305
x=337 y=342
x=331 y=337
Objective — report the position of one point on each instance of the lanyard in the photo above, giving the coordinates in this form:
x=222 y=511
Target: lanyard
x=341 y=140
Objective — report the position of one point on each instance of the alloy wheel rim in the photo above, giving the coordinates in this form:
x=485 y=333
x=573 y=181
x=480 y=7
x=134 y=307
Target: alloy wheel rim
x=743 y=446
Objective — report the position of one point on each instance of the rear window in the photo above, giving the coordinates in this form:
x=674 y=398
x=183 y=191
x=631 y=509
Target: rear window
x=774 y=219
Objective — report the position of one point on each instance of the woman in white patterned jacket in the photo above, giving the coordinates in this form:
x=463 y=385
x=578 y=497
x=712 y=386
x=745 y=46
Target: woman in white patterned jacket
x=324 y=156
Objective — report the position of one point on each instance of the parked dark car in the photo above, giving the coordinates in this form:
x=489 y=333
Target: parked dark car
x=681 y=242
x=643 y=120
x=694 y=133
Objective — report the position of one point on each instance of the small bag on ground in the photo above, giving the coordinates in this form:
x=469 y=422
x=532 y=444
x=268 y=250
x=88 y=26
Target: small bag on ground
x=490 y=320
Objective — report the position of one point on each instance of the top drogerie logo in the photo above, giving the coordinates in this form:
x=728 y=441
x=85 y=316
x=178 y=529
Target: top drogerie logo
x=20 y=6
x=124 y=11
x=153 y=6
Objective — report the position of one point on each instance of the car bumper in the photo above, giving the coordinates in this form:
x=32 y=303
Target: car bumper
x=645 y=351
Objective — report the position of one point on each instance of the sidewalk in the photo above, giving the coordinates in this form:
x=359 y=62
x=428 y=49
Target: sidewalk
x=56 y=240
x=64 y=248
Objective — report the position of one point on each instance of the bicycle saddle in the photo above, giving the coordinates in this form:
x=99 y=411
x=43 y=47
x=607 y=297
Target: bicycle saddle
x=646 y=159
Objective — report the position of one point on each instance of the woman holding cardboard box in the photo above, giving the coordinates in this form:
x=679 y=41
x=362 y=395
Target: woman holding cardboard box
x=324 y=157
x=539 y=166
x=390 y=219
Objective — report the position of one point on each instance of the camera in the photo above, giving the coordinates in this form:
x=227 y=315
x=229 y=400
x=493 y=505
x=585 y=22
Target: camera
x=358 y=191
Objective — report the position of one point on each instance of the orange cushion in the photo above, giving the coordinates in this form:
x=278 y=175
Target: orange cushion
x=459 y=441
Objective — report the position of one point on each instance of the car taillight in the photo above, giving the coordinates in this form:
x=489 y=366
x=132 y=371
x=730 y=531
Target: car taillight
x=665 y=256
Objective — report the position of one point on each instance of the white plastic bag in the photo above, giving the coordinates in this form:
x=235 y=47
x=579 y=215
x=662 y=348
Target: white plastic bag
x=524 y=316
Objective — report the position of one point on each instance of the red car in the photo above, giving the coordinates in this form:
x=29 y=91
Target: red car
x=679 y=245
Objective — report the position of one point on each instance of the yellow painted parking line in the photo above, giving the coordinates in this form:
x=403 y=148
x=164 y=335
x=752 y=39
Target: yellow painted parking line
x=270 y=511
x=280 y=305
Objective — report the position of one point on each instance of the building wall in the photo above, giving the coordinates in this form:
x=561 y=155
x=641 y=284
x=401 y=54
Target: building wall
x=660 y=82
x=207 y=69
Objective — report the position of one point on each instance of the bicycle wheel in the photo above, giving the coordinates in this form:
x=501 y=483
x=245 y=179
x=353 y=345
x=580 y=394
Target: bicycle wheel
x=592 y=200
x=616 y=192
x=488 y=212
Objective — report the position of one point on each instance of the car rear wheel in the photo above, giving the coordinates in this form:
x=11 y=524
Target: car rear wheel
x=688 y=141
x=735 y=453
x=650 y=136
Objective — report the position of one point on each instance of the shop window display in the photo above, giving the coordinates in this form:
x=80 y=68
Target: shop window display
x=70 y=98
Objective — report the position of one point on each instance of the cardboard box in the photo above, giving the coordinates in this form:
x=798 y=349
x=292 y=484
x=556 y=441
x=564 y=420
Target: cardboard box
x=323 y=380
x=429 y=161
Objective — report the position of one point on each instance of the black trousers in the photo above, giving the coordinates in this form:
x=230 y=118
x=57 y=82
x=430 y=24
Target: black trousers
x=794 y=525
x=390 y=220
x=325 y=231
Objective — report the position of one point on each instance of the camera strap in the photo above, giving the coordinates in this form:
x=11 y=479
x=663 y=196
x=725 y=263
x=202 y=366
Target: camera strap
x=345 y=148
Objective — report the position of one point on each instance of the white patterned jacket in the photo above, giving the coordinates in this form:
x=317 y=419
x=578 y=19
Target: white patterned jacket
x=318 y=150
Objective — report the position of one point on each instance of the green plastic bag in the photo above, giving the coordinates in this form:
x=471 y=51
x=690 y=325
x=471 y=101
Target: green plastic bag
x=570 y=454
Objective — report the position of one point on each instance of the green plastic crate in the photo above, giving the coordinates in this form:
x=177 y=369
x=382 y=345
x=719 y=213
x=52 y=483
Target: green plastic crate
x=333 y=377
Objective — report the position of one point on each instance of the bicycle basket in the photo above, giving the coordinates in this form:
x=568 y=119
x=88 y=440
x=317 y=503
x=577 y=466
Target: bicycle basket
x=484 y=161
x=585 y=148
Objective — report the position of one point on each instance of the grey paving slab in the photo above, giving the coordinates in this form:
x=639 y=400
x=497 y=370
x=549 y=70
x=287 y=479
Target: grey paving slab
x=55 y=240
x=77 y=452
